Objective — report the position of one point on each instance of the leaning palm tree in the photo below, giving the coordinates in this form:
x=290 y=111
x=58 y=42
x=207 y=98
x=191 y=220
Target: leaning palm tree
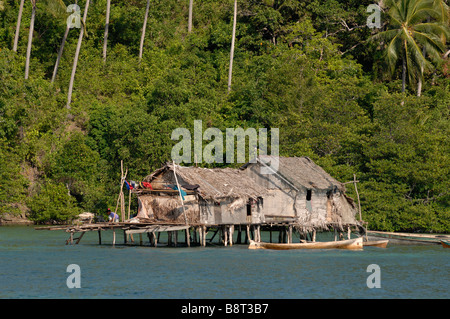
x=53 y=6
x=416 y=37
x=77 y=54
x=105 y=39
x=71 y=22
x=144 y=27
x=191 y=6
x=233 y=37
x=30 y=38
x=19 y=20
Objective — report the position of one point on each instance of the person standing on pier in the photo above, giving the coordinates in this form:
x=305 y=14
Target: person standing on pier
x=112 y=216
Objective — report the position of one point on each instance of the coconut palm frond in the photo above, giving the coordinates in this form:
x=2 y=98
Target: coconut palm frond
x=56 y=8
x=417 y=35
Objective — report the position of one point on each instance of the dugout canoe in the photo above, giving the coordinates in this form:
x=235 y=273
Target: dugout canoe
x=352 y=244
x=445 y=244
x=408 y=238
x=376 y=243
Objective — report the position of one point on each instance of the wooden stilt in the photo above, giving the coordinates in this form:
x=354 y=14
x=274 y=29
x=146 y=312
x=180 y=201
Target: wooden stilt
x=270 y=234
x=99 y=237
x=349 y=232
x=156 y=238
x=187 y=239
x=314 y=235
x=204 y=236
x=225 y=235
x=140 y=240
x=194 y=235
x=169 y=238
x=125 y=237
x=290 y=234
x=247 y=236
x=175 y=242
x=230 y=237
x=114 y=237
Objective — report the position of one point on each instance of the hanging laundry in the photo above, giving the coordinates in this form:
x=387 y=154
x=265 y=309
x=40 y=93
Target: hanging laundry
x=147 y=185
x=129 y=187
x=174 y=187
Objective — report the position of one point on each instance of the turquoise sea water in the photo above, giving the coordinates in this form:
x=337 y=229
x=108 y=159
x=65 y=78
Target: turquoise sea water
x=33 y=264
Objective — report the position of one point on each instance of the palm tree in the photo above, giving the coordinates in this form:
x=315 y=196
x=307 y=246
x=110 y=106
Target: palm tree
x=191 y=6
x=417 y=35
x=232 y=46
x=77 y=54
x=19 y=20
x=54 y=6
x=30 y=38
x=144 y=27
x=63 y=42
x=60 y=52
x=105 y=40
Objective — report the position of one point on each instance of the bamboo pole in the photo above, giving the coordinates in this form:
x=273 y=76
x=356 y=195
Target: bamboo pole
x=357 y=194
x=179 y=191
x=129 y=203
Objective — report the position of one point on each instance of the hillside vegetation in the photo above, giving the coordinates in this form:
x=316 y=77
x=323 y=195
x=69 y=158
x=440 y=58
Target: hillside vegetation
x=311 y=68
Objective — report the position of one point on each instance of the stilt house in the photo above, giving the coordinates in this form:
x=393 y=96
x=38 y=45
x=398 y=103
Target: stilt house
x=201 y=196
x=301 y=192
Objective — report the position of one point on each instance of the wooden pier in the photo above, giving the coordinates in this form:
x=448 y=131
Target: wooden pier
x=194 y=234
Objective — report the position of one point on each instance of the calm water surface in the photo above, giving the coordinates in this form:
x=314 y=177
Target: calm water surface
x=33 y=264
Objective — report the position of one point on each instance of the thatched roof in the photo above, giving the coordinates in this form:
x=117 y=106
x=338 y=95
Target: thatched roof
x=214 y=183
x=302 y=172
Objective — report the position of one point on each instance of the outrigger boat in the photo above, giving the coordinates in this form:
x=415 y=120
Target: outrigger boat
x=408 y=238
x=376 y=243
x=445 y=243
x=353 y=244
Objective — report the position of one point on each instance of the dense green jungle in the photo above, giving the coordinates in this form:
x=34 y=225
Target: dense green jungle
x=366 y=101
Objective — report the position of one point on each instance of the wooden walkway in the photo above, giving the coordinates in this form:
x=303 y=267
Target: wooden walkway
x=153 y=231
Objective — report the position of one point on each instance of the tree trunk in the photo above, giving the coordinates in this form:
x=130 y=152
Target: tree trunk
x=30 y=38
x=191 y=6
x=105 y=40
x=419 y=84
x=77 y=53
x=404 y=75
x=141 y=47
x=232 y=46
x=61 y=49
x=19 y=20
